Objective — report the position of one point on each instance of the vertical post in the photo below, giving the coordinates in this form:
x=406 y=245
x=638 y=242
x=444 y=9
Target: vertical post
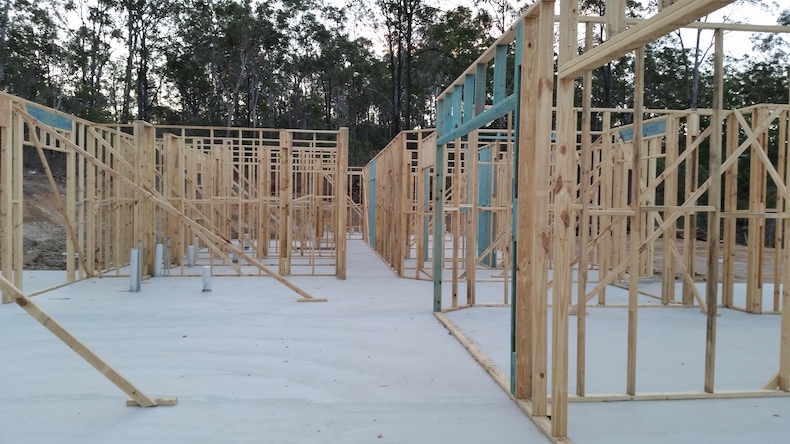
x=690 y=219
x=471 y=215
x=635 y=233
x=615 y=17
x=456 y=214
x=564 y=219
x=341 y=185
x=144 y=137
x=537 y=189
x=86 y=220
x=584 y=222
x=6 y=185
x=17 y=201
x=264 y=192
x=779 y=236
x=607 y=170
x=784 y=334
x=670 y=200
x=730 y=223
x=714 y=199
x=420 y=208
x=438 y=211
x=756 y=241
x=523 y=227
x=285 y=202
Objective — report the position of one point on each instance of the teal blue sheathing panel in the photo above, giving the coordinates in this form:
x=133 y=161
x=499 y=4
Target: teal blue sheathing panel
x=372 y=205
x=425 y=221
x=496 y=111
x=484 y=194
x=439 y=117
x=469 y=97
x=49 y=118
x=457 y=104
x=448 y=112
x=649 y=129
x=500 y=73
x=480 y=88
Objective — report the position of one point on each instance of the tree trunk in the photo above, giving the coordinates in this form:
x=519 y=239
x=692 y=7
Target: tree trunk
x=3 y=35
x=409 y=9
x=131 y=47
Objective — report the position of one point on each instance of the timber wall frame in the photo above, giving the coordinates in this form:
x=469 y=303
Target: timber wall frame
x=577 y=196
x=251 y=200
x=400 y=181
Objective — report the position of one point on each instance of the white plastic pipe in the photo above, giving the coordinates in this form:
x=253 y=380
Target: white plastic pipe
x=191 y=256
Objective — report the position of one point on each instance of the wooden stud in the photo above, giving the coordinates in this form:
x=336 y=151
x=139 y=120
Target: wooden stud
x=17 y=202
x=564 y=220
x=730 y=223
x=541 y=231
x=635 y=234
x=714 y=198
x=341 y=192
x=680 y=14
x=670 y=199
x=286 y=192
x=472 y=214
x=757 y=204
x=584 y=220
x=7 y=149
x=524 y=237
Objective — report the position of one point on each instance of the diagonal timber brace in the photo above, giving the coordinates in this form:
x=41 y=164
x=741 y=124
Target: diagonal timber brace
x=138 y=397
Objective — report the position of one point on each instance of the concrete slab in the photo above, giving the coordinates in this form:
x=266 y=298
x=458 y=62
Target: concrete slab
x=250 y=364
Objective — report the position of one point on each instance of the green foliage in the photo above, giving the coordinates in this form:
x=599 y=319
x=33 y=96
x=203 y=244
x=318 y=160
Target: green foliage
x=303 y=63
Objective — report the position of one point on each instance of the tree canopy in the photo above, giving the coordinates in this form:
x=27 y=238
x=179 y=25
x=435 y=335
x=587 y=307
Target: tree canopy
x=294 y=63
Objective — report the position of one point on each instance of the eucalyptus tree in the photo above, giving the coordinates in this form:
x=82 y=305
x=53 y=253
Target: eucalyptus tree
x=502 y=12
x=762 y=75
x=402 y=20
x=5 y=10
x=611 y=81
x=451 y=42
x=147 y=29
x=28 y=50
x=90 y=38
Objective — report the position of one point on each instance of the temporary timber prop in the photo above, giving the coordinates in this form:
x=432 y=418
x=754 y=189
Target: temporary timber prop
x=248 y=200
x=138 y=397
x=598 y=193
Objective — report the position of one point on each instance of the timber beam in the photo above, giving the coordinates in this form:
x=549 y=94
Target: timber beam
x=676 y=16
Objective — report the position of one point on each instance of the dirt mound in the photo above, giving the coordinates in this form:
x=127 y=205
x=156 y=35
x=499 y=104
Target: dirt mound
x=44 y=242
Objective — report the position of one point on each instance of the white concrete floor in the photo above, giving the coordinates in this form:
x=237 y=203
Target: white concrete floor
x=249 y=364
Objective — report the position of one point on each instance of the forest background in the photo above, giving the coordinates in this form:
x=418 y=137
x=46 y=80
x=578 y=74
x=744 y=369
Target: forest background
x=375 y=66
